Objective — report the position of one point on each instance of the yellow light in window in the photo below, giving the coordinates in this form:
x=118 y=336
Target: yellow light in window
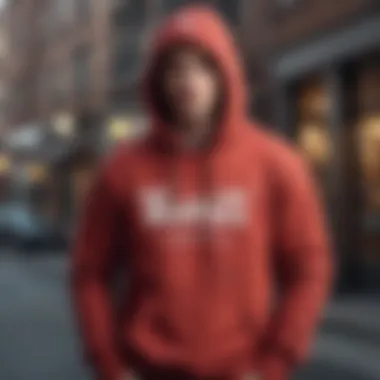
x=370 y=128
x=315 y=143
x=64 y=124
x=369 y=145
x=314 y=99
x=37 y=172
x=119 y=128
x=5 y=164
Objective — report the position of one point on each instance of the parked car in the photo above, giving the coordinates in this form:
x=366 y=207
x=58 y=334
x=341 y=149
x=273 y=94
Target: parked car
x=25 y=230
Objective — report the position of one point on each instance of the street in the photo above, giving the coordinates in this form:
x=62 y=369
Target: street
x=38 y=341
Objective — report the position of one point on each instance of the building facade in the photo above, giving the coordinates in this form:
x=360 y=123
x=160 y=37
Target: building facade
x=4 y=159
x=323 y=91
x=74 y=71
x=58 y=66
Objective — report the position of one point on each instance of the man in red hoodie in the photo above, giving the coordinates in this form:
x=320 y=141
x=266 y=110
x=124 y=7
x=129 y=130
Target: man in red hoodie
x=215 y=223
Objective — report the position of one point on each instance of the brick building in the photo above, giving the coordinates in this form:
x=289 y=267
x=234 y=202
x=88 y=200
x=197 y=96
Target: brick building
x=74 y=72
x=323 y=92
x=3 y=68
x=4 y=159
x=314 y=66
x=51 y=77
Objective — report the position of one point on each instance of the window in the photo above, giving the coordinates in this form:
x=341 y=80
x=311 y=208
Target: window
x=19 y=38
x=52 y=84
x=82 y=69
x=3 y=44
x=368 y=138
x=312 y=130
x=19 y=99
x=3 y=104
x=369 y=147
x=83 y=9
x=130 y=13
x=66 y=11
x=56 y=16
x=3 y=93
x=127 y=57
x=369 y=133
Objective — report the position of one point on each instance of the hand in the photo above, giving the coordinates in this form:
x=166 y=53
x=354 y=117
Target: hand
x=252 y=376
x=129 y=376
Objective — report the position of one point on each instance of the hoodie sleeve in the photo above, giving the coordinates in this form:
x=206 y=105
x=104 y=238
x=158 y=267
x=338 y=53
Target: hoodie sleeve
x=304 y=266
x=92 y=266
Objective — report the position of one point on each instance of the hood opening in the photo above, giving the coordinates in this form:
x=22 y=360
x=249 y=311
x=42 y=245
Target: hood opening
x=160 y=102
x=202 y=28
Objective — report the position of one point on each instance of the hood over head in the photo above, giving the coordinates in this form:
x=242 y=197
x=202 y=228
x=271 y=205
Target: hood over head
x=202 y=27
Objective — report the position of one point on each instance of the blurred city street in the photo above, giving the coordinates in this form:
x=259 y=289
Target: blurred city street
x=38 y=340
x=71 y=75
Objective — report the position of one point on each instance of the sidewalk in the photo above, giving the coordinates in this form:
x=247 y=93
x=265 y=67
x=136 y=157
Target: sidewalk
x=356 y=317
x=350 y=336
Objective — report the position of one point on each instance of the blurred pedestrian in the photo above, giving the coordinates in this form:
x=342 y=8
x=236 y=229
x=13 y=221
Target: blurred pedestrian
x=212 y=213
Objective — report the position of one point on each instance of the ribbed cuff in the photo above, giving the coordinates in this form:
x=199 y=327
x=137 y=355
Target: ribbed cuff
x=111 y=368
x=273 y=366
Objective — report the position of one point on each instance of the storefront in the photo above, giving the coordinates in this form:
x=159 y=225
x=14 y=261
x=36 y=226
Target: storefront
x=5 y=171
x=329 y=104
x=76 y=146
x=38 y=182
x=74 y=160
x=125 y=126
x=25 y=167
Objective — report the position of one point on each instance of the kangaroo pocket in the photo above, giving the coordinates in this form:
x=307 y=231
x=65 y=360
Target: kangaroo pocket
x=190 y=321
x=211 y=337
x=225 y=319
x=198 y=311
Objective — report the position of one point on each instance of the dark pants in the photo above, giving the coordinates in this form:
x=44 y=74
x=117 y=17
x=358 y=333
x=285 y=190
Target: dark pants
x=181 y=375
x=145 y=371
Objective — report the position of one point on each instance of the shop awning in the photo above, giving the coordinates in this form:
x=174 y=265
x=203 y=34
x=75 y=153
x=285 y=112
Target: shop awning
x=339 y=46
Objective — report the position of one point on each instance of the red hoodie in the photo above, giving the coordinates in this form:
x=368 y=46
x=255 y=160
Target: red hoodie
x=205 y=238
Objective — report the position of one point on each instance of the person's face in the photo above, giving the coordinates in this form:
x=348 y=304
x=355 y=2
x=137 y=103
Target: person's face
x=192 y=85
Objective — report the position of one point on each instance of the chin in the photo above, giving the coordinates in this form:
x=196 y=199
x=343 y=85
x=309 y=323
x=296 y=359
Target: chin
x=194 y=115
